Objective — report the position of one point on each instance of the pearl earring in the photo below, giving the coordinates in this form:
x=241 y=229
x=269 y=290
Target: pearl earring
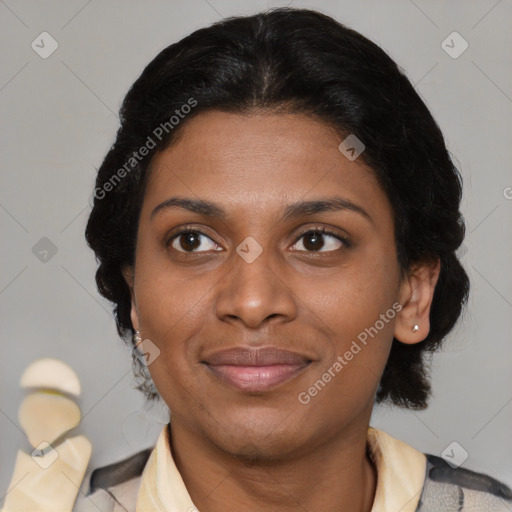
x=415 y=328
x=137 y=338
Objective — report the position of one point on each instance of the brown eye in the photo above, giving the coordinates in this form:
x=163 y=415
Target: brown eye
x=190 y=240
x=320 y=240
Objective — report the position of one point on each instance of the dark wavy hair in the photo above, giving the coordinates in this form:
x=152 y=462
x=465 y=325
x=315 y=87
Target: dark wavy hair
x=294 y=61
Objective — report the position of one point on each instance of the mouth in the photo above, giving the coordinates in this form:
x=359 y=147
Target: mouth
x=255 y=370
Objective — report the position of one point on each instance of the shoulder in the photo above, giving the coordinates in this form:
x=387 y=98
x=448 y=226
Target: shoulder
x=115 y=486
x=459 y=489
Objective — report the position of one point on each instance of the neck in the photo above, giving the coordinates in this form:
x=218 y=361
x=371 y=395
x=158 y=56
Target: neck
x=335 y=475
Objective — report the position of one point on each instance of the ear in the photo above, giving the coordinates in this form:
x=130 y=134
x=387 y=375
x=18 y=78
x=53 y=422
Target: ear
x=128 y=275
x=416 y=294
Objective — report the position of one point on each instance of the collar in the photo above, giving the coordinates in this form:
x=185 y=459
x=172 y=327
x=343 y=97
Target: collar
x=400 y=476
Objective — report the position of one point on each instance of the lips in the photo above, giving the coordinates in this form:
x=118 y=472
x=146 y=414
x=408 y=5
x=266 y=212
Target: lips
x=255 y=369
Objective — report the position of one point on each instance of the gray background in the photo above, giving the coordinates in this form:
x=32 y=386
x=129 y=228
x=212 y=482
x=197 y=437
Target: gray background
x=59 y=119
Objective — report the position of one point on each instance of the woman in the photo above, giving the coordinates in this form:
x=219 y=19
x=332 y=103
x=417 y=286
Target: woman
x=276 y=224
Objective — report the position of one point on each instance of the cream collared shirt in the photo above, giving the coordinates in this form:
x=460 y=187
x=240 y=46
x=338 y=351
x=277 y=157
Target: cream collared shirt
x=400 y=477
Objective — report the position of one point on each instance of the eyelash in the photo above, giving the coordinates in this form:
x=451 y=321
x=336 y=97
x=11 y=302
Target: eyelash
x=318 y=230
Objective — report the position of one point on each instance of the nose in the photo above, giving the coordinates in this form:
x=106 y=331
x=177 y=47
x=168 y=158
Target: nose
x=255 y=293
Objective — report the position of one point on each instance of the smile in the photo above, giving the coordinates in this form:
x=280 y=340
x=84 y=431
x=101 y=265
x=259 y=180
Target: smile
x=256 y=378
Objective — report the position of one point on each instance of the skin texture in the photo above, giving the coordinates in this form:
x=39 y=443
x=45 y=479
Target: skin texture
x=267 y=450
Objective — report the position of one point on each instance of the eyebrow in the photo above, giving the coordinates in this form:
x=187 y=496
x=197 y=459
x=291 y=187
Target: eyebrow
x=301 y=208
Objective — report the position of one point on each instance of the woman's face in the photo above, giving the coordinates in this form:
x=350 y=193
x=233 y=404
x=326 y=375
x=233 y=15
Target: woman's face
x=258 y=275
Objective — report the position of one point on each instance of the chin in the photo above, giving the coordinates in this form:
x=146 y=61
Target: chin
x=265 y=439
x=264 y=451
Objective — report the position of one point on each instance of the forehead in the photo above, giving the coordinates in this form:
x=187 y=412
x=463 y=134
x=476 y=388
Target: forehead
x=258 y=161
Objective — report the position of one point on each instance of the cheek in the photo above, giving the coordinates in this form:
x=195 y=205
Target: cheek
x=171 y=311
x=169 y=301
x=357 y=308
x=345 y=382
x=352 y=299
x=170 y=315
